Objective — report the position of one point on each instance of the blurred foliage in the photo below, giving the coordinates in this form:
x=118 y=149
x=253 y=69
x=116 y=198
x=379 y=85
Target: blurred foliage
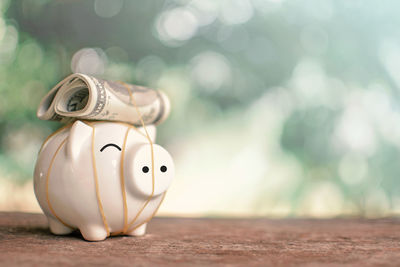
x=291 y=105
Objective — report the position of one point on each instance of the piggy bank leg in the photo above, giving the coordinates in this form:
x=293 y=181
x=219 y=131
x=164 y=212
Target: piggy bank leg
x=93 y=232
x=57 y=228
x=141 y=230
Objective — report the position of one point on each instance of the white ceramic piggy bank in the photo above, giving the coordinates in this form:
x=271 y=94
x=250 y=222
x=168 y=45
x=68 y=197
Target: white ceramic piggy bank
x=98 y=177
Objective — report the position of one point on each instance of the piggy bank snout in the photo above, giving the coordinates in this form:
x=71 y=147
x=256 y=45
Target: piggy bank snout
x=138 y=166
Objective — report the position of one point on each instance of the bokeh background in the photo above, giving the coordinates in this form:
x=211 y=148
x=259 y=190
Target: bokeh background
x=279 y=108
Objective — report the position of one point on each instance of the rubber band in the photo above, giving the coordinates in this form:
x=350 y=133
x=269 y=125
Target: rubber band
x=47 y=184
x=123 y=180
x=103 y=217
x=152 y=215
x=126 y=226
x=132 y=100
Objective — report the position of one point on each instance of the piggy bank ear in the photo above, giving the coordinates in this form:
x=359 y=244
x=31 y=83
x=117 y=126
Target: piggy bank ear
x=78 y=136
x=151 y=129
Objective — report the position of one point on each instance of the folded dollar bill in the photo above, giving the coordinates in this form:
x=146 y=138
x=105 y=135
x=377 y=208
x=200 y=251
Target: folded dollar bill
x=81 y=96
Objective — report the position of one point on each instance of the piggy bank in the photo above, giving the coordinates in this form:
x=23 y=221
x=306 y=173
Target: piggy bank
x=103 y=178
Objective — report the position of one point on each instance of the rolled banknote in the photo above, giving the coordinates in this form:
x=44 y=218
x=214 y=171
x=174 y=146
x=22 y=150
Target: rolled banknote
x=81 y=96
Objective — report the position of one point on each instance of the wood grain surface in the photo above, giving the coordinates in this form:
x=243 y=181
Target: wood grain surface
x=26 y=241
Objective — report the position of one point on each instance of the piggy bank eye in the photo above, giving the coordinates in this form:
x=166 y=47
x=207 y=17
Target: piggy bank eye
x=145 y=169
x=111 y=144
x=163 y=168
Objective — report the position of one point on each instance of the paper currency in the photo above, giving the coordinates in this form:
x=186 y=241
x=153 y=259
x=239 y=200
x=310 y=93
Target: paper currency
x=81 y=96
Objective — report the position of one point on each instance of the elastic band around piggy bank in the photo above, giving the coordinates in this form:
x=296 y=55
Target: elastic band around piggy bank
x=103 y=178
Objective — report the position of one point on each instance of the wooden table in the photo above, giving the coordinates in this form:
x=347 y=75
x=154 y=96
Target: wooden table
x=25 y=240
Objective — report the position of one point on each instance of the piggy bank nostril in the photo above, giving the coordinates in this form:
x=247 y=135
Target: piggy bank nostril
x=145 y=169
x=163 y=168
